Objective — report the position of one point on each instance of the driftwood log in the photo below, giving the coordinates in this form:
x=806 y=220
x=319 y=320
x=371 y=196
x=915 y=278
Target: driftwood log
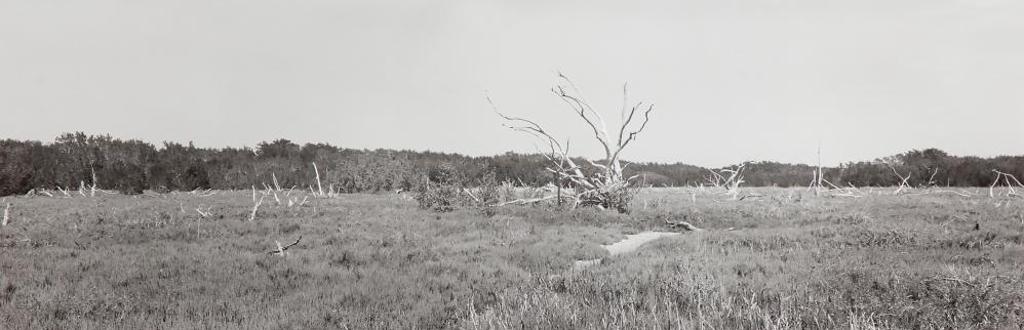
x=682 y=224
x=280 y=249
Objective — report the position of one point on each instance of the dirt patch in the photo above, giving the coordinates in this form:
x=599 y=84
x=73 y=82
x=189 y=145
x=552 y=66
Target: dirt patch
x=630 y=244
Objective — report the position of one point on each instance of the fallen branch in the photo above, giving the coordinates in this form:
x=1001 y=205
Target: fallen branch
x=467 y=192
x=961 y=194
x=525 y=201
x=280 y=249
x=277 y=186
x=751 y=196
x=204 y=213
x=682 y=224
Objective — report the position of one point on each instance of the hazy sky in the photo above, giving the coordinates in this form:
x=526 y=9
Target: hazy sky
x=731 y=80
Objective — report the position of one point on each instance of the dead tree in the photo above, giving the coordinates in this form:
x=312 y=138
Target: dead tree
x=903 y=180
x=819 y=177
x=1010 y=191
x=728 y=179
x=606 y=187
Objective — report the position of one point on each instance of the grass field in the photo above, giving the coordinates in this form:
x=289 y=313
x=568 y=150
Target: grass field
x=788 y=259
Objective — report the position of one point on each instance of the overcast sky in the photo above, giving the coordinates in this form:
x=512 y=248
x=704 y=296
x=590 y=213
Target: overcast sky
x=730 y=80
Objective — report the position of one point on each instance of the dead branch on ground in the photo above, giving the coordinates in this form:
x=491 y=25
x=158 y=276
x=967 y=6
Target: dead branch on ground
x=204 y=213
x=280 y=249
x=682 y=224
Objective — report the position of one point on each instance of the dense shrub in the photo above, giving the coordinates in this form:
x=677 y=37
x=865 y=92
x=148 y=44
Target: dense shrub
x=129 y=179
x=444 y=190
x=15 y=168
x=617 y=199
x=438 y=197
x=72 y=158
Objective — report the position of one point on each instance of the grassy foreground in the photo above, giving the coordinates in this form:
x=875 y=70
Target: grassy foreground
x=785 y=260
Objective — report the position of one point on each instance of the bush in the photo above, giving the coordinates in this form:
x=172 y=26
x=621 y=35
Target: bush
x=617 y=199
x=445 y=174
x=438 y=197
x=443 y=192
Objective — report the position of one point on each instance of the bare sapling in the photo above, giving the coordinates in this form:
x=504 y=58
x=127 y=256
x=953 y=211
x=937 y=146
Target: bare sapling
x=931 y=179
x=319 y=186
x=255 y=208
x=7 y=215
x=93 y=188
x=202 y=214
x=606 y=187
x=819 y=177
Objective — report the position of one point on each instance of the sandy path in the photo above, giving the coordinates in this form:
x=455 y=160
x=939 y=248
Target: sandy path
x=633 y=242
x=630 y=244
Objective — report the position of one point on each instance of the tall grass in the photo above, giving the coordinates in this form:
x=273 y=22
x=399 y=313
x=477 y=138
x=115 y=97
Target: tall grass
x=379 y=261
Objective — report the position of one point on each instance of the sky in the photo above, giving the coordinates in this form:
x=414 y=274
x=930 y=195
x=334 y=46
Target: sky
x=731 y=80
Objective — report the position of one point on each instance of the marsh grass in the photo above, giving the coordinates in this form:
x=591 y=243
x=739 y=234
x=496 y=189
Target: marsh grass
x=379 y=261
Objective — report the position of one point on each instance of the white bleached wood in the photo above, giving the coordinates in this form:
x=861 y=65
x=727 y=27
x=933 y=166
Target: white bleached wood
x=7 y=215
x=609 y=178
x=319 y=186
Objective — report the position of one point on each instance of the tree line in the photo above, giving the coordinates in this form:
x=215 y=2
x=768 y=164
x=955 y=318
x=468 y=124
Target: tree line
x=132 y=166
